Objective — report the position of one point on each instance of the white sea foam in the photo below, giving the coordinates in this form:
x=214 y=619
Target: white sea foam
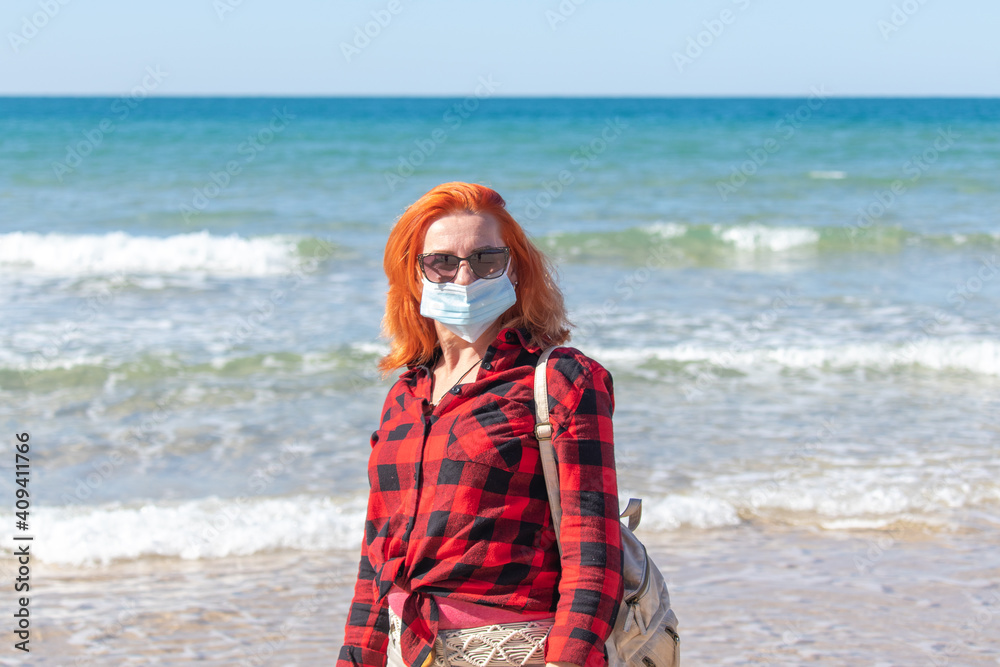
x=750 y=237
x=758 y=237
x=828 y=175
x=831 y=494
x=697 y=510
x=834 y=494
x=667 y=230
x=121 y=253
x=207 y=528
x=980 y=356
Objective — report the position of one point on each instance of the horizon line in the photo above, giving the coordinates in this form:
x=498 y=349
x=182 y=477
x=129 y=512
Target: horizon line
x=926 y=96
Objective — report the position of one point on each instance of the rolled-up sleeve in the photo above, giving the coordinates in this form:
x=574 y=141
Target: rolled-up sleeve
x=366 y=634
x=581 y=404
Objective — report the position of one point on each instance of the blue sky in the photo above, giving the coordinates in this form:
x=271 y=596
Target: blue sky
x=540 y=47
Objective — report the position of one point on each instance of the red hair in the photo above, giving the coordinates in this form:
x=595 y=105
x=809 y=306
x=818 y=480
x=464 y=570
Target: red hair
x=412 y=337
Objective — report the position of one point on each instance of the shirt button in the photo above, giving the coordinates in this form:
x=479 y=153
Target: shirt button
x=456 y=390
x=488 y=366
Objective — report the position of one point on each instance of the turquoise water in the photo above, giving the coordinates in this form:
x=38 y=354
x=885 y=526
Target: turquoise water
x=797 y=299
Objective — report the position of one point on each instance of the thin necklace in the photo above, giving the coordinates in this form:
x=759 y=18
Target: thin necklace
x=463 y=375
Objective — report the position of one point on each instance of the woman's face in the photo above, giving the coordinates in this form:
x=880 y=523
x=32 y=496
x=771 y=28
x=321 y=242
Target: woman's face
x=462 y=234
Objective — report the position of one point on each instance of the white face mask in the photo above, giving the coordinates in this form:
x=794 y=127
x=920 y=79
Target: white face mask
x=468 y=310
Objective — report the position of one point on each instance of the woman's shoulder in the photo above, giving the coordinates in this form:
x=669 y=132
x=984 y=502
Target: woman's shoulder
x=578 y=383
x=577 y=366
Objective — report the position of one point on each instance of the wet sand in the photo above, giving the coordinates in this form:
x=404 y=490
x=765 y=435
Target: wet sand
x=745 y=596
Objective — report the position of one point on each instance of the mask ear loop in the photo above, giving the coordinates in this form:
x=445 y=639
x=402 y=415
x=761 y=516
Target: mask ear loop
x=506 y=271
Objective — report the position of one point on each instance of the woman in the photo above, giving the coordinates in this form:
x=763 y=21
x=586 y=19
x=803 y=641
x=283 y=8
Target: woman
x=458 y=533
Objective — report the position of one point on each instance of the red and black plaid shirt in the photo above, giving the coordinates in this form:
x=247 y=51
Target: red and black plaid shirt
x=458 y=506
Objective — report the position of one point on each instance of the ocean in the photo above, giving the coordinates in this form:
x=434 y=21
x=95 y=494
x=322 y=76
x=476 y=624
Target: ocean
x=797 y=298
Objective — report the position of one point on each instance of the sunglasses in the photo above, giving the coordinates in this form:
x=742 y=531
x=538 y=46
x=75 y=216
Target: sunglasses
x=442 y=267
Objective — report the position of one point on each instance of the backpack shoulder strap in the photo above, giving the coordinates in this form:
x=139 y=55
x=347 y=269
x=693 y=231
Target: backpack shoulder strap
x=543 y=432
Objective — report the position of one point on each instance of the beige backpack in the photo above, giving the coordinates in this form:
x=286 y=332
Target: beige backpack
x=645 y=633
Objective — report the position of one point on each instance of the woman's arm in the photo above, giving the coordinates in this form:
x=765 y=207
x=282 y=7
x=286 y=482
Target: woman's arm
x=590 y=587
x=366 y=635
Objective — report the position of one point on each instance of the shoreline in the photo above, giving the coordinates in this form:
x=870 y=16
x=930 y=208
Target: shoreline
x=743 y=595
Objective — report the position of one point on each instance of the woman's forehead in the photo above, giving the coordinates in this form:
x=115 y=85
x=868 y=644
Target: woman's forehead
x=469 y=230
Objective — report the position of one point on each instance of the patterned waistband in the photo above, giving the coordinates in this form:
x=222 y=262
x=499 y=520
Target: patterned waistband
x=501 y=645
